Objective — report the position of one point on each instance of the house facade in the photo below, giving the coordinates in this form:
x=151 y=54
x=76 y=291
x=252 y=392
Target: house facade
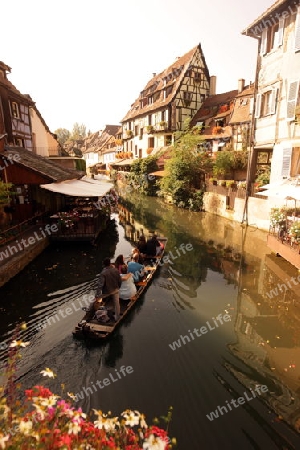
x=166 y=101
x=276 y=126
x=44 y=142
x=213 y=119
x=99 y=149
x=14 y=112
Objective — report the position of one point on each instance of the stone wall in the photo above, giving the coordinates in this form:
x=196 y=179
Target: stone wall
x=17 y=263
x=258 y=209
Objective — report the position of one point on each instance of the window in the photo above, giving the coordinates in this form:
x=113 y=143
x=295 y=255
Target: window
x=272 y=36
x=197 y=77
x=15 y=112
x=286 y=162
x=136 y=130
x=292 y=99
x=187 y=97
x=297 y=31
x=19 y=142
x=266 y=103
x=150 y=119
x=151 y=142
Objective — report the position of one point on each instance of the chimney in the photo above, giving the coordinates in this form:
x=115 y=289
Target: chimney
x=241 y=85
x=212 y=85
x=154 y=74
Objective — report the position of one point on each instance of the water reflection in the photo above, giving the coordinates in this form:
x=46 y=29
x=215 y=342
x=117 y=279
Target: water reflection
x=230 y=269
x=267 y=326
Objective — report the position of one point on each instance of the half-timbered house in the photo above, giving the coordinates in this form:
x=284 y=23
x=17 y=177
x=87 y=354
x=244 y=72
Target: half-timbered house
x=166 y=101
x=14 y=109
x=213 y=119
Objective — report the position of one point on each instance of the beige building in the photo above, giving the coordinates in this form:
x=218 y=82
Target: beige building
x=277 y=101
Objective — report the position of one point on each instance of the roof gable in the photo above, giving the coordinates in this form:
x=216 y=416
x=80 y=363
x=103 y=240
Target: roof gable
x=170 y=80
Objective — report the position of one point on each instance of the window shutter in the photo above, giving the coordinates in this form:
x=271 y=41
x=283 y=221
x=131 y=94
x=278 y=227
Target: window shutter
x=251 y=105
x=286 y=162
x=263 y=44
x=273 y=101
x=280 y=32
x=291 y=100
x=257 y=106
x=297 y=31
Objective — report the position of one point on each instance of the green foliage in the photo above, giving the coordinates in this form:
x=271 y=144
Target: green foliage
x=185 y=168
x=139 y=177
x=5 y=193
x=264 y=177
x=62 y=135
x=228 y=160
x=80 y=164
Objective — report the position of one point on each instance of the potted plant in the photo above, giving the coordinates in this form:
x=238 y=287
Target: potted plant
x=278 y=217
x=294 y=232
x=149 y=129
x=163 y=124
x=149 y=150
x=129 y=133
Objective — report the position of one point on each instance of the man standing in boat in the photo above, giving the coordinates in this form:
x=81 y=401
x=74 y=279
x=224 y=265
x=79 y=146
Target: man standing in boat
x=109 y=285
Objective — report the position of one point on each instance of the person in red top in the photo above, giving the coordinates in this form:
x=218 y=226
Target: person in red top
x=109 y=284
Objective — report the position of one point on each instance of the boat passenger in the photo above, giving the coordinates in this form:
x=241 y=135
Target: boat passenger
x=136 y=268
x=109 y=284
x=119 y=262
x=128 y=288
x=142 y=245
x=154 y=247
x=140 y=256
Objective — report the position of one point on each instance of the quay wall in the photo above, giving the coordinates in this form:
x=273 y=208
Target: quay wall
x=258 y=209
x=17 y=262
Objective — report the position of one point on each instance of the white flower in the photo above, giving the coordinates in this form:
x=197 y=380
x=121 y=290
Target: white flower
x=25 y=427
x=3 y=439
x=103 y=422
x=47 y=373
x=72 y=396
x=74 y=428
x=132 y=418
x=50 y=401
x=154 y=443
x=19 y=343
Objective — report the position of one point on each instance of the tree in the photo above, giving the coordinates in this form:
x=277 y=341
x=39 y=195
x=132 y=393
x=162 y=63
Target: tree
x=62 y=135
x=186 y=168
x=78 y=132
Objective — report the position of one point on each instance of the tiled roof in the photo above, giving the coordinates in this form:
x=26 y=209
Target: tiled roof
x=170 y=77
x=212 y=104
x=241 y=110
x=97 y=141
x=251 y=30
x=41 y=165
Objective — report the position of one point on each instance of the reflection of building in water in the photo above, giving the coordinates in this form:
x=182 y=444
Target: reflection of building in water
x=133 y=229
x=268 y=341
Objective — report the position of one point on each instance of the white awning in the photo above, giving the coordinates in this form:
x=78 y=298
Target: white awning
x=85 y=187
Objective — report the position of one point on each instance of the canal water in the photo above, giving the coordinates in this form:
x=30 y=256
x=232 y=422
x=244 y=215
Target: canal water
x=216 y=335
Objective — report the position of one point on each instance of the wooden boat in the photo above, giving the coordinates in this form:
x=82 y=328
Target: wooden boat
x=91 y=329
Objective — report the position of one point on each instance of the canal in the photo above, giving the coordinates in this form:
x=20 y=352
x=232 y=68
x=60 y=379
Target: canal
x=211 y=377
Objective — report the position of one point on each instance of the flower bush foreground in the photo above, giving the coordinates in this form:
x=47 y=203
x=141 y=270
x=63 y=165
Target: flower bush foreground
x=46 y=421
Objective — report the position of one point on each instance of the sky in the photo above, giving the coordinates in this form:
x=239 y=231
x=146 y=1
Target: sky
x=87 y=61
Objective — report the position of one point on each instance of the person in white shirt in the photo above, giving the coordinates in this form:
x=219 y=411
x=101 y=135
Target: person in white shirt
x=128 y=288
